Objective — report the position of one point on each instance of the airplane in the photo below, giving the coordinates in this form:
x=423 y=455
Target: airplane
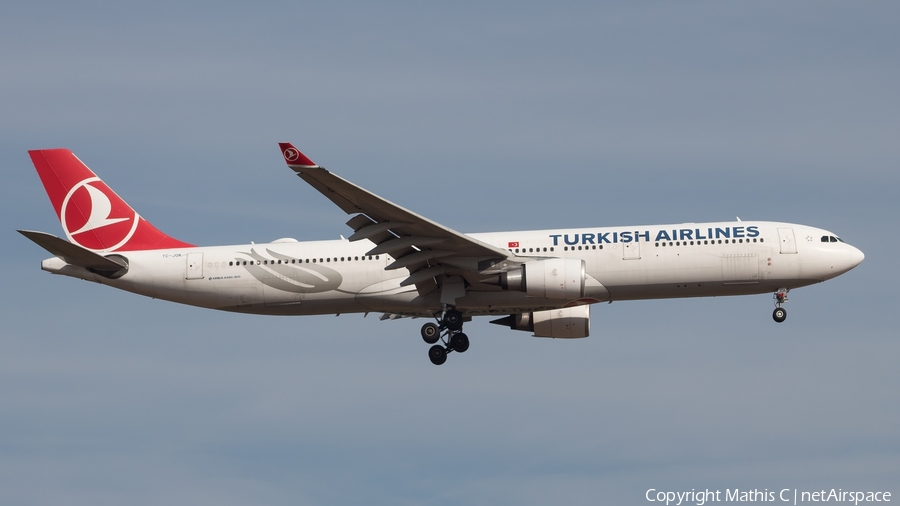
x=401 y=264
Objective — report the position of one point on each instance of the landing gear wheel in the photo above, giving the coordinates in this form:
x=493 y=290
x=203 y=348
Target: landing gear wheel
x=453 y=320
x=431 y=333
x=779 y=315
x=459 y=342
x=437 y=354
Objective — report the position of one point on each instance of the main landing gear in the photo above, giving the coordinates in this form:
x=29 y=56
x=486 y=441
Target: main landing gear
x=449 y=332
x=780 y=313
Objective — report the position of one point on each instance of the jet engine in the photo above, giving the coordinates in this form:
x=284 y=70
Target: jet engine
x=565 y=323
x=553 y=278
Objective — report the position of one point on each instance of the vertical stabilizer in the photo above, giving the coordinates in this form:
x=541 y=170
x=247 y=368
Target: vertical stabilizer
x=91 y=214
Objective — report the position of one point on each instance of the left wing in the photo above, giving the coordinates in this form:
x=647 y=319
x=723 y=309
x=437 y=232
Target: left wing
x=429 y=250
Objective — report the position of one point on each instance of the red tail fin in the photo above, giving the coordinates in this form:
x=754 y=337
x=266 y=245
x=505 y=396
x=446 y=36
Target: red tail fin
x=91 y=214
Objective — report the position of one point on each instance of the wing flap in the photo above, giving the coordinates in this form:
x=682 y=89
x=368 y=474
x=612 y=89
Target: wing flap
x=374 y=229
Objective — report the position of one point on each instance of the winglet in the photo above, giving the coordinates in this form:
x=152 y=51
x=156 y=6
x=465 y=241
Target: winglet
x=294 y=158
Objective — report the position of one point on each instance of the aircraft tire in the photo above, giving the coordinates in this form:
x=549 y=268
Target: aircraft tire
x=431 y=333
x=453 y=320
x=779 y=315
x=437 y=354
x=459 y=342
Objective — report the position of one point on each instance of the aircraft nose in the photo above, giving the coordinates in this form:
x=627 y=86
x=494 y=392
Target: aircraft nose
x=856 y=256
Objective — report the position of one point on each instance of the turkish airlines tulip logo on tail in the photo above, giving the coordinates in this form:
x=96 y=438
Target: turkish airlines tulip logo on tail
x=94 y=217
x=291 y=154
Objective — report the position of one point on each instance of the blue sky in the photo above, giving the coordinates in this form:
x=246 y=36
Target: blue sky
x=502 y=116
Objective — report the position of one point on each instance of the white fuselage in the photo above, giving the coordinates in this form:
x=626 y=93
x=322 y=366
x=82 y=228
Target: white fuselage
x=287 y=277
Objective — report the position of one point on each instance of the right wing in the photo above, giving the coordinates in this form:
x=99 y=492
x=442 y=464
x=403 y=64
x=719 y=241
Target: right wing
x=428 y=249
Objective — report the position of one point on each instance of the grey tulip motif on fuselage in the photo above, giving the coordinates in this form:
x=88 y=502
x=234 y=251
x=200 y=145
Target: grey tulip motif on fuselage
x=290 y=277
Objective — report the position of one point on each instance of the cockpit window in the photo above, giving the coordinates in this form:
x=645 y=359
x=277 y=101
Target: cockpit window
x=833 y=239
x=824 y=238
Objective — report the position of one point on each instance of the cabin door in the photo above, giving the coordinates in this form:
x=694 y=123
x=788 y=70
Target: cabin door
x=631 y=250
x=194 y=266
x=786 y=237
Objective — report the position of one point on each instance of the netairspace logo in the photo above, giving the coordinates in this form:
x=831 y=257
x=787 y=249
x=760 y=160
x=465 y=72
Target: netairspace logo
x=785 y=495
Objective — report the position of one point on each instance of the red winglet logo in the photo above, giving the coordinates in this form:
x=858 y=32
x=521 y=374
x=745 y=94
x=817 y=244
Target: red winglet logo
x=294 y=157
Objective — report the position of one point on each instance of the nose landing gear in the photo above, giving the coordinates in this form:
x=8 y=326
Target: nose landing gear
x=449 y=332
x=780 y=314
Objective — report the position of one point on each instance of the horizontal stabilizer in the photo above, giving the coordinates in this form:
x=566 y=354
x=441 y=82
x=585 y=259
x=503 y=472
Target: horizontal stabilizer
x=76 y=255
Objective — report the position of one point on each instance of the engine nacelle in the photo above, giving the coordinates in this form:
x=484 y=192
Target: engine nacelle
x=566 y=323
x=553 y=278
